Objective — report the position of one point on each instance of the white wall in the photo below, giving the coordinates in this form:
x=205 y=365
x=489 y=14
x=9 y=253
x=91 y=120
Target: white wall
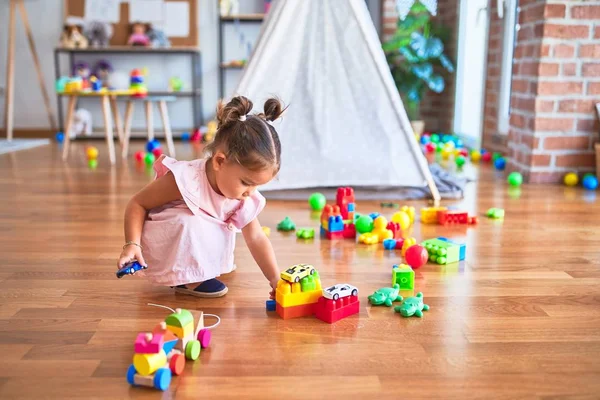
x=45 y=17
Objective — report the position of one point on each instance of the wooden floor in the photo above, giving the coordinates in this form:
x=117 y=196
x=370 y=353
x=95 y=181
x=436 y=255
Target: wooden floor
x=520 y=319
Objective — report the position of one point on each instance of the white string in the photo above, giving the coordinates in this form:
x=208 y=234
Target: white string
x=242 y=118
x=213 y=325
x=159 y=305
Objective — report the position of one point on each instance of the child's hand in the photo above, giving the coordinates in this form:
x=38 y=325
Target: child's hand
x=273 y=284
x=131 y=253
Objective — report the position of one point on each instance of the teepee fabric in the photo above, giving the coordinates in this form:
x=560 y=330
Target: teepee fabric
x=346 y=124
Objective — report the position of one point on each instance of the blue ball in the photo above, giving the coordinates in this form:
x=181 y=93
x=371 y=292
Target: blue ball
x=424 y=139
x=374 y=215
x=185 y=136
x=60 y=137
x=151 y=145
x=500 y=164
x=483 y=151
x=590 y=182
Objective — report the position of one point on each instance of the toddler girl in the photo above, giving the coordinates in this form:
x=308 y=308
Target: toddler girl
x=185 y=221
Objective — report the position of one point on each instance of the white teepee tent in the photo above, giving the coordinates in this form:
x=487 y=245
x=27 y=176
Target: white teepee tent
x=346 y=124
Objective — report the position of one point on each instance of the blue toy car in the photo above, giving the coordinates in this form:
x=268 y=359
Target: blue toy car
x=130 y=269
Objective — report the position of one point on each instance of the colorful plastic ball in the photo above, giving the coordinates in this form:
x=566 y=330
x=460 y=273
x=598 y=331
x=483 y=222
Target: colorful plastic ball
x=402 y=218
x=139 y=156
x=185 y=136
x=449 y=145
x=435 y=138
x=60 y=137
x=196 y=136
x=464 y=152
x=92 y=163
x=487 y=157
x=424 y=139
x=157 y=152
x=496 y=156
x=364 y=224
x=587 y=174
x=460 y=161
x=440 y=147
x=416 y=256
x=475 y=156
x=317 y=201
x=571 y=179
x=446 y=154
x=92 y=153
x=459 y=143
x=590 y=182
x=149 y=158
x=514 y=179
x=500 y=164
x=151 y=145
x=430 y=147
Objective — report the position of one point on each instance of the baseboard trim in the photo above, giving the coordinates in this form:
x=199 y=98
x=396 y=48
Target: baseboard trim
x=34 y=133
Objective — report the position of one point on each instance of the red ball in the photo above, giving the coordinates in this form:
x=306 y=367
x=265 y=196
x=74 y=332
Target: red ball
x=487 y=157
x=196 y=136
x=430 y=147
x=416 y=256
x=464 y=152
x=139 y=156
x=157 y=152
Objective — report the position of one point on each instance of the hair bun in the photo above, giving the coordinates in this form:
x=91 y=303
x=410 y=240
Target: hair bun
x=232 y=111
x=273 y=109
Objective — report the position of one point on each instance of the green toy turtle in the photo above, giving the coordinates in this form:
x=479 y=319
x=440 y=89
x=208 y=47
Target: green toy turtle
x=385 y=296
x=286 y=225
x=412 y=306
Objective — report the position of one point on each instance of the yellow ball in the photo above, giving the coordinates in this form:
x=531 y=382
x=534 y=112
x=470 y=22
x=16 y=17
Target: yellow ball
x=446 y=154
x=410 y=211
x=449 y=146
x=571 y=179
x=380 y=223
x=92 y=153
x=475 y=156
x=401 y=218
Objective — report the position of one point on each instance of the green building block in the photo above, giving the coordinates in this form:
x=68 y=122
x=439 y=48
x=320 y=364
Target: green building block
x=442 y=252
x=286 y=225
x=495 y=213
x=180 y=319
x=305 y=233
x=309 y=283
x=404 y=276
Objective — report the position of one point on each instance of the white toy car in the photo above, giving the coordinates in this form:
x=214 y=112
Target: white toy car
x=340 y=290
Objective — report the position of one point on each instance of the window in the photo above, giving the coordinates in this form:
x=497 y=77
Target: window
x=508 y=49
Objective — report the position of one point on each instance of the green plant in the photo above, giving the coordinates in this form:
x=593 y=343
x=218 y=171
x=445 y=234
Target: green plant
x=415 y=53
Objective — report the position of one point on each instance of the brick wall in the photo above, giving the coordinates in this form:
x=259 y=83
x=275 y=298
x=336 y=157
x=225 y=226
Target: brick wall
x=437 y=110
x=556 y=81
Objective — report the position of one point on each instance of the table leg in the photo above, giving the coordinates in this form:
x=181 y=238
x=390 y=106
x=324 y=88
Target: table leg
x=70 y=114
x=149 y=125
x=164 y=114
x=108 y=128
x=116 y=118
x=127 y=133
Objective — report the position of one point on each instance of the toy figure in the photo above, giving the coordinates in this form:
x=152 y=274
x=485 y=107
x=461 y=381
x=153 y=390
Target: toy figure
x=98 y=33
x=102 y=71
x=82 y=70
x=72 y=37
x=158 y=38
x=139 y=35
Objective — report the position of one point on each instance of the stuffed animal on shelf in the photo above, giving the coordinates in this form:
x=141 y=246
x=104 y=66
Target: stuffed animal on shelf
x=229 y=7
x=98 y=33
x=102 y=71
x=139 y=34
x=72 y=37
x=158 y=38
x=81 y=70
x=81 y=124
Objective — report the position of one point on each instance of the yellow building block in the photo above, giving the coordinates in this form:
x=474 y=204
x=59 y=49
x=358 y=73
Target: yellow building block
x=290 y=294
x=181 y=333
x=429 y=214
x=410 y=211
x=407 y=243
x=146 y=364
x=368 y=238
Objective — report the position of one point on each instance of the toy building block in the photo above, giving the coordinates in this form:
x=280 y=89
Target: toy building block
x=444 y=251
x=266 y=230
x=412 y=306
x=404 y=276
x=349 y=231
x=410 y=211
x=394 y=227
x=160 y=380
x=446 y=217
x=332 y=311
x=335 y=224
x=389 y=244
x=351 y=212
x=399 y=243
x=329 y=211
x=271 y=305
x=302 y=310
x=495 y=213
x=407 y=243
x=385 y=296
x=331 y=235
x=148 y=343
x=305 y=233
x=290 y=294
x=343 y=198
x=462 y=247
x=181 y=323
x=389 y=205
x=374 y=215
x=368 y=238
x=286 y=225
x=147 y=364
x=429 y=214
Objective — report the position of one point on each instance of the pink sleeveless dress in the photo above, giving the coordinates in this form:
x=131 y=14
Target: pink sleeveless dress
x=192 y=240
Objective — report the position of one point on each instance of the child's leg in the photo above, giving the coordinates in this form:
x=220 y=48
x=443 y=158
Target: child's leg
x=210 y=288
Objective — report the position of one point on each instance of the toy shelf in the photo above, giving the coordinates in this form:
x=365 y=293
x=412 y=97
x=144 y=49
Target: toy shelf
x=192 y=52
x=243 y=17
x=231 y=66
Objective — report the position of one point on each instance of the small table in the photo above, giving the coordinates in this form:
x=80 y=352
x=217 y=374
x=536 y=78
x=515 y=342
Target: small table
x=108 y=99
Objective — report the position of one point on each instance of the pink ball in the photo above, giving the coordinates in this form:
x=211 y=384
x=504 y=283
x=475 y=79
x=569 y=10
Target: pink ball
x=416 y=256
x=157 y=152
x=139 y=156
x=430 y=147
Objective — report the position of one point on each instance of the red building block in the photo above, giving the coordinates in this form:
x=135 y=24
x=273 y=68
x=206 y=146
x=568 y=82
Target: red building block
x=303 y=310
x=349 y=231
x=452 y=217
x=399 y=243
x=395 y=228
x=334 y=235
x=345 y=196
x=330 y=211
x=332 y=311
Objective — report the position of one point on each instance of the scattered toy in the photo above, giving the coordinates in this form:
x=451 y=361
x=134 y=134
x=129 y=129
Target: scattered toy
x=412 y=306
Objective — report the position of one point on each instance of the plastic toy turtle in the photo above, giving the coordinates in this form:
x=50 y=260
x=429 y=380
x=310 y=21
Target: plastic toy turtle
x=385 y=296
x=305 y=233
x=412 y=306
x=286 y=225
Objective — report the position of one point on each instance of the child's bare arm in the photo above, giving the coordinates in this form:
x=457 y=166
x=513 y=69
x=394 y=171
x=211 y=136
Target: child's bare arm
x=158 y=192
x=262 y=251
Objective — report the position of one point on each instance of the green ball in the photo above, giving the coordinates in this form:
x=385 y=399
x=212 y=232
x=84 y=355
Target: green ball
x=435 y=138
x=496 y=156
x=515 y=179
x=460 y=161
x=93 y=163
x=317 y=201
x=149 y=158
x=439 y=148
x=364 y=224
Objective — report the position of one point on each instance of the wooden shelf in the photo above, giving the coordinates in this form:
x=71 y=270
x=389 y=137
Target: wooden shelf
x=243 y=17
x=231 y=66
x=154 y=93
x=132 y=49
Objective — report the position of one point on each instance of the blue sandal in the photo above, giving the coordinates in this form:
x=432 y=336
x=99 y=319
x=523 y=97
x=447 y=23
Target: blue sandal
x=210 y=288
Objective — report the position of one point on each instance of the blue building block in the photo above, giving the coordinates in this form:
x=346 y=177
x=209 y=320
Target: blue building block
x=389 y=244
x=336 y=224
x=374 y=215
x=462 y=247
x=271 y=305
x=350 y=207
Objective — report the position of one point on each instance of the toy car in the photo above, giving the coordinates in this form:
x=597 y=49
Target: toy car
x=130 y=269
x=297 y=272
x=341 y=290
